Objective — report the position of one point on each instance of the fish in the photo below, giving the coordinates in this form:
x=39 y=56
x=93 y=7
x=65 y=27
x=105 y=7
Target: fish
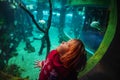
x=96 y=25
x=42 y=21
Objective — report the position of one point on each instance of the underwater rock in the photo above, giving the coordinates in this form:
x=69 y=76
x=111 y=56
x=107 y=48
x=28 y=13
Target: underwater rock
x=6 y=76
x=30 y=48
x=12 y=72
x=13 y=69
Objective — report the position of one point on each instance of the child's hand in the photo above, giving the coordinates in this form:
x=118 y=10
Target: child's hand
x=38 y=64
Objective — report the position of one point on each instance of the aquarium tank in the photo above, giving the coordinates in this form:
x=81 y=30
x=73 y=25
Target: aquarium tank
x=29 y=29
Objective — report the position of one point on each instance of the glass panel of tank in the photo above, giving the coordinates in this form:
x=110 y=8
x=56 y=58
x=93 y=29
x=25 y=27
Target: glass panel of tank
x=21 y=42
x=87 y=23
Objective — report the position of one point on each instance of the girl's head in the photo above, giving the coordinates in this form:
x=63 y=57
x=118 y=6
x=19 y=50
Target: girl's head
x=72 y=54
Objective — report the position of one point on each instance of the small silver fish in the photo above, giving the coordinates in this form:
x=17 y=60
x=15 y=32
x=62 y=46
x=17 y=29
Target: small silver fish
x=95 y=24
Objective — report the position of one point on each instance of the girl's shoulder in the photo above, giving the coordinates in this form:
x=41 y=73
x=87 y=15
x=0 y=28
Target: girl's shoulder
x=52 y=54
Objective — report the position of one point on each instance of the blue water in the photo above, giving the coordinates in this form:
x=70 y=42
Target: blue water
x=22 y=43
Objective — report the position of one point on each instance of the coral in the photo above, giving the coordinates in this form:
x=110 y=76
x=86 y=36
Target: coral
x=13 y=69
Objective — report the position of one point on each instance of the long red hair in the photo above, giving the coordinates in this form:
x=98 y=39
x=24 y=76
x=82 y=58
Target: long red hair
x=75 y=58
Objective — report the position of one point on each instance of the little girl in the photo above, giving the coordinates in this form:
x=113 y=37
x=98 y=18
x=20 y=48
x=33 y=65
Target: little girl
x=64 y=62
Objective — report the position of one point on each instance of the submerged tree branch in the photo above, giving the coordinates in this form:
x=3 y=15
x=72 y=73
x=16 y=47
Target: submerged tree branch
x=30 y=14
x=46 y=36
x=50 y=16
x=48 y=27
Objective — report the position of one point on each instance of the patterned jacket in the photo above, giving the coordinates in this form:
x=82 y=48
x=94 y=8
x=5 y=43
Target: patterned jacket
x=53 y=69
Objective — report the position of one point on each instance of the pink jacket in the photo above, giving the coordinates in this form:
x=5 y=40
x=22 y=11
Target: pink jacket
x=54 y=70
